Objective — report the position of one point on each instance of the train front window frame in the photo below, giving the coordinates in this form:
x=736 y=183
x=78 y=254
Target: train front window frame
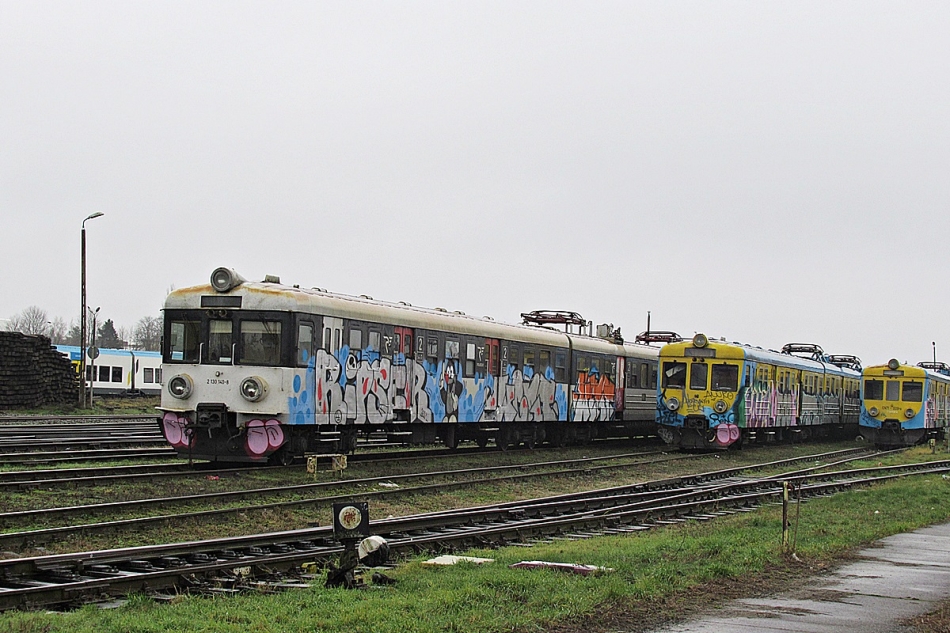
x=912 y=391
x=220 y=341
x=184 y=341
x=674 y=374
x=893 y=391
x=260 y=342
x=873 y=389
x=725 y=377
x=698 y=376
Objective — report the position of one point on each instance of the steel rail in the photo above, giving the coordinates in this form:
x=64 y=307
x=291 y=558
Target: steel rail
x=15 y=539
x=66 y=578
x=19 y=516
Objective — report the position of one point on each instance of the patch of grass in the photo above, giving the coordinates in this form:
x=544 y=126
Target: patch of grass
x=101 y=405
x=668 y=566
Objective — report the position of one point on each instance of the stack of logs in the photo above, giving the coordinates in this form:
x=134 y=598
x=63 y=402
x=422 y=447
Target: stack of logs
x=33 y=373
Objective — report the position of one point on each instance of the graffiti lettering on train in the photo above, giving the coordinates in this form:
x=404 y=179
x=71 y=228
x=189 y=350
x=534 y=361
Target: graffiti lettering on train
x=593 y=397
x=176 y=430
x=530 y=398
x=360 y=387
x=263 y=436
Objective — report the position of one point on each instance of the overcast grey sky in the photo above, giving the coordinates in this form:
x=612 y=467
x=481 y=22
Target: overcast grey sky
x=764 y=171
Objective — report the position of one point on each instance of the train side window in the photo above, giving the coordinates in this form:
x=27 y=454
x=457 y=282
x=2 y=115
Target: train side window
x=432 y=348
x=147 y=374
x=913 y=391
x=595 y=365
x=451 y=349
x=116 y=374
x=529 y=360
x=304 y=343
x=544 y=361
x=583 y=364
x=653 y=373
x=469 y=360
x=104 y=373
x=611 y=369
x=560 y=366
x=645 y=380
x=356 y=339
x=893 y=390
x=327 y=338
x=698 y=375
x=374 y=341
x=158 y=375
x=632 y=381
x=674 y=374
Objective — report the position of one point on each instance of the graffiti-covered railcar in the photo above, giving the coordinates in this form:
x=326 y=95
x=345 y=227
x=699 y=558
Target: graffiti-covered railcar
x=902 y=405
x=713 y=394
x=265 y=371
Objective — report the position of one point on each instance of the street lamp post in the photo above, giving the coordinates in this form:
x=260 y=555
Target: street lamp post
x=82 y=315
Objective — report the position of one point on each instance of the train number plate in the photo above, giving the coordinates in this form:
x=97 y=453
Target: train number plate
x=217 y=381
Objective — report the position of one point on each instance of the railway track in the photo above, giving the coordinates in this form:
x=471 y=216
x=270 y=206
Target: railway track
x=447 y=480
x=74 y=578
x=49 y=440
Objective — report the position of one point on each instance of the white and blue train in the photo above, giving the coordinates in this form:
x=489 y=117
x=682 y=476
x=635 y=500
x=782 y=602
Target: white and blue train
x=119 y=371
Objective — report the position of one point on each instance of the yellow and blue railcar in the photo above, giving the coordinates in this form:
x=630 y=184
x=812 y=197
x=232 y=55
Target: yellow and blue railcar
x=713 y=395
x=903 y=405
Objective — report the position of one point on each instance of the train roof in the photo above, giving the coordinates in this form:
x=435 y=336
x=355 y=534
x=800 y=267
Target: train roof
x=106 y=351
x=734 y=350
x=271 y=295
x=894 y=368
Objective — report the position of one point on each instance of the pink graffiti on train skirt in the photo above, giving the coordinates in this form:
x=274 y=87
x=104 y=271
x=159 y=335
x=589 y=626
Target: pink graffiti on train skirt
x=726 y=434
x=175 y=430
x=263 y=437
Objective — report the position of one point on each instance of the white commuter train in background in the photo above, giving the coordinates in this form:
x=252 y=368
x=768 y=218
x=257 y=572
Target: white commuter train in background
x=112 y=374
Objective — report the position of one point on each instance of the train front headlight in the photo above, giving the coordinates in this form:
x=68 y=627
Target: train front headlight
x=873 y=412
x=224 y=279
x=720 y=406
x=909 y=413
x=253 y=388
x=700 y=340
x=181 y=386
x=672 y=404
x=893 y=363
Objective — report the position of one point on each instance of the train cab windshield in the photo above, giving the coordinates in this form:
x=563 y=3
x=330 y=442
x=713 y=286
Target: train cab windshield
x=245 y=338
x=674 y=374
x=725 y=377
x=896 y=390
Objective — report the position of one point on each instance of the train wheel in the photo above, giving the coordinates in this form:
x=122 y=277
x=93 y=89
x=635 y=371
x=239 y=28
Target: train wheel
x=450 y=437
x=282 y=457
x=503 y=439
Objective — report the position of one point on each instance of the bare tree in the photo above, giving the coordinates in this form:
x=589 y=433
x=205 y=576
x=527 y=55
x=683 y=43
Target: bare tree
x=148 y=333
x=59 y=332
x=31 y=321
